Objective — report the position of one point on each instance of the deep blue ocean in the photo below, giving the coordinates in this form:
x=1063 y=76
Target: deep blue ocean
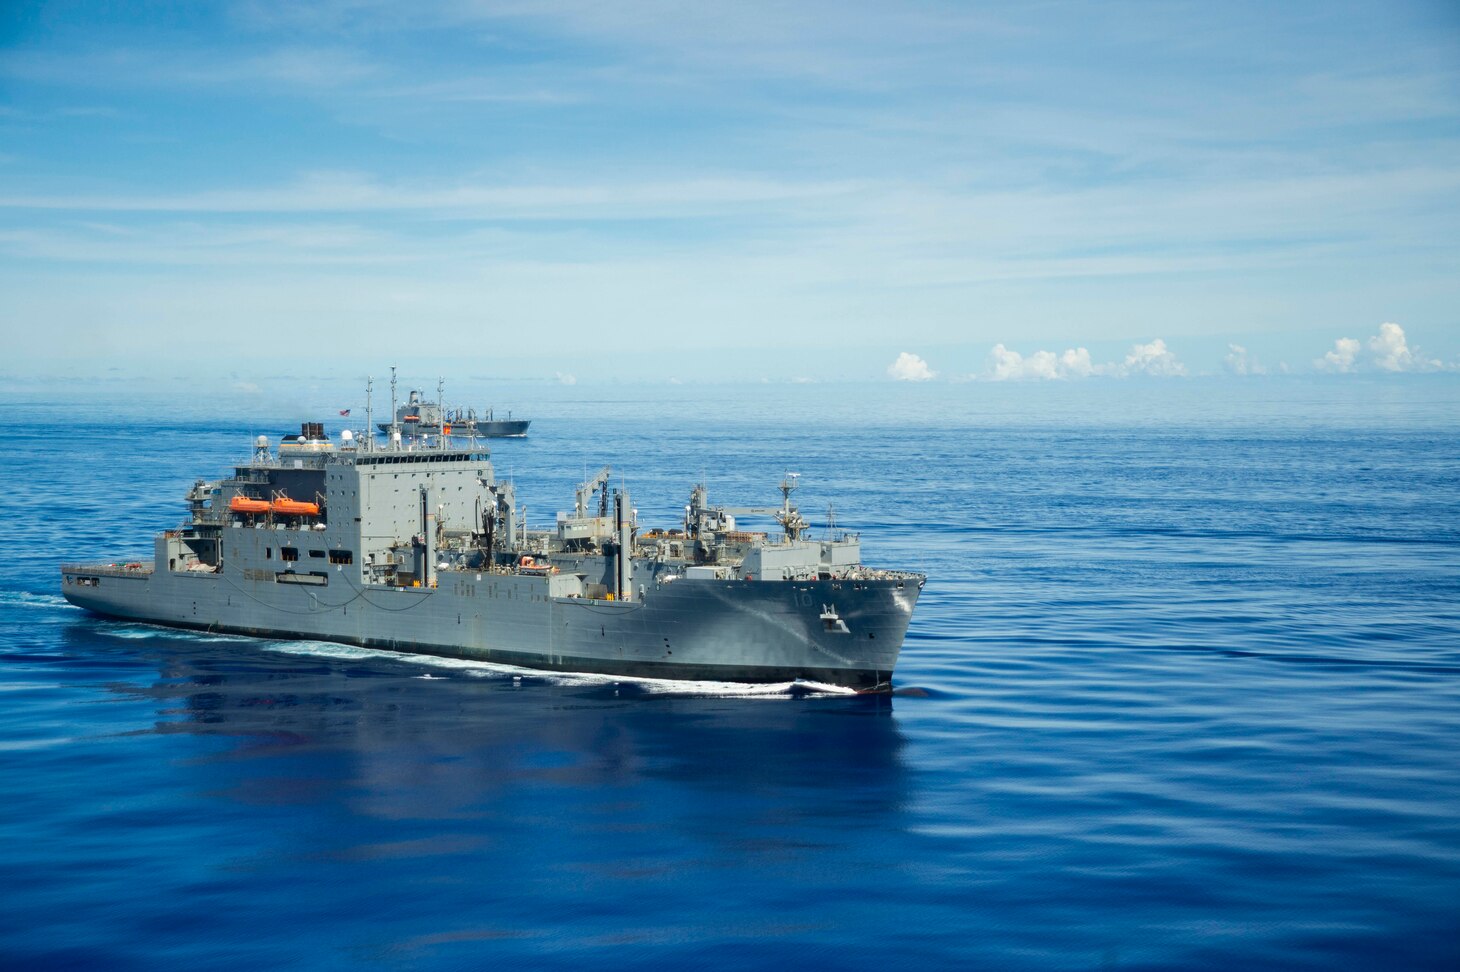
x=1182 y=691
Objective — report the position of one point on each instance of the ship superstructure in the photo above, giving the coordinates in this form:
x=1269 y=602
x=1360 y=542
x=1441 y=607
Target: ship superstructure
x=421 y=549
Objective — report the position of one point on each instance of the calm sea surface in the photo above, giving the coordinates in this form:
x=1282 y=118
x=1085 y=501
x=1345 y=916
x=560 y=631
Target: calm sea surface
x=1183 y=690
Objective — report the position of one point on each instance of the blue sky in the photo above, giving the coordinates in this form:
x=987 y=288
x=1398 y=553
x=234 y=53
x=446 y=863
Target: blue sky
x=782 y=190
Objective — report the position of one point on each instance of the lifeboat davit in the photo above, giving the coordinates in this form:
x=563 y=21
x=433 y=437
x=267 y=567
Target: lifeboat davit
x=242 y=504
x=294 y=507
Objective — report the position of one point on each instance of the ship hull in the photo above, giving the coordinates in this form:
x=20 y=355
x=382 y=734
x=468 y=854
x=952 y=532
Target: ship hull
x=688 y=629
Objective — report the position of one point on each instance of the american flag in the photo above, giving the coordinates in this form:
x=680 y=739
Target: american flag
x=344 y=411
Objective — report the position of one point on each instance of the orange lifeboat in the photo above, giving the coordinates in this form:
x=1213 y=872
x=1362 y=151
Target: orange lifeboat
x=294 y=507
x=242 y=504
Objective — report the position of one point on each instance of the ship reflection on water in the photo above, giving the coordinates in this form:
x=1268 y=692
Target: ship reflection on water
x=486 y=806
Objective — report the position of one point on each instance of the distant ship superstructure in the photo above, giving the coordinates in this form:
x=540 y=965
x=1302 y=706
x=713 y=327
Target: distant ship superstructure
x=421 y=549
x=418 y=417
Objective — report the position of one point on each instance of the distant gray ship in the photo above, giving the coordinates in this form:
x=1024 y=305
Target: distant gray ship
x=419 y=548
x=422 y=418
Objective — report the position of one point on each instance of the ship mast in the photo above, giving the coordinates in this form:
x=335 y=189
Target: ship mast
x=369 y=416
x=394 y=413
x=789 y=516
x=441 y=405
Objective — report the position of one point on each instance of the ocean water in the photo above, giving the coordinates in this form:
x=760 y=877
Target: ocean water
x=1183 y=691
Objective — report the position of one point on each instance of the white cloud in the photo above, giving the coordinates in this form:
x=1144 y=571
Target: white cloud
x=1392 y=352
x=290 y=67
x=887 y=225
x=1004 y=364
x=565 y=379
x=1007 y=365
x=909 y=367
x=1075 y=363
x=1240 y=361
x=1152 y=359
x=1341 y=358
x=1389 y=350
x=357 y=192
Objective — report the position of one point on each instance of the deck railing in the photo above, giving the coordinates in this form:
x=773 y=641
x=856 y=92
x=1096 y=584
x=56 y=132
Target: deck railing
x=134 y=569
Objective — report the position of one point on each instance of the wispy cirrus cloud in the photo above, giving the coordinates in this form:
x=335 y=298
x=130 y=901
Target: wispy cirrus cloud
x=301 y=67
x=835 y=167
x=193 y=244
x=353 y=191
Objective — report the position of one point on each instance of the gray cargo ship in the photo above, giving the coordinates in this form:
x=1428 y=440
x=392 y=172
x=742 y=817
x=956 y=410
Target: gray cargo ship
x=403 y=547
x=418 y=417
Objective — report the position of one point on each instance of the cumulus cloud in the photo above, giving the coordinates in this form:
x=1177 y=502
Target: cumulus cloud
x=1392 y=352
x=1075 y=363
x=1155 y=359
x=564 y=378
x=1389 y=350
x=909 y=367
x=1007 y=365
x=1341 y=358
x=1240 y=361
x=1152 y=359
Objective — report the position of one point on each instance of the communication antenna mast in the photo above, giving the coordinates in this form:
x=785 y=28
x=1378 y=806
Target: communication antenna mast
x=788 y=486
x=394 y=413
x=441 y=406
x=369 y=415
